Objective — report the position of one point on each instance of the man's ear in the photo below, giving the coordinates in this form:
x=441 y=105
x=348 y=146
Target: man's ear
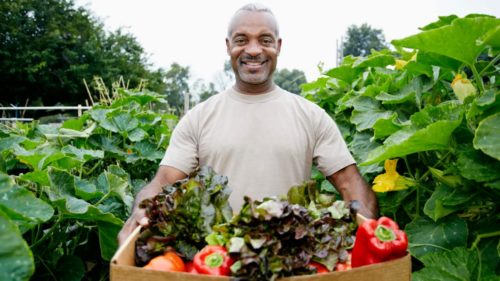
x=279 y=46
x=227 y=46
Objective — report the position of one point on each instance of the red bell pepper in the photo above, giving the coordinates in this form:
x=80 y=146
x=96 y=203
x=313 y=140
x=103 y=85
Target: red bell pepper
x=378 y=241
x=213 y=260
x=190 y=268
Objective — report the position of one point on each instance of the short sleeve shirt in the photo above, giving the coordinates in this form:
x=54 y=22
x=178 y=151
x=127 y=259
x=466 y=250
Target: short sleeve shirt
x=263 y=143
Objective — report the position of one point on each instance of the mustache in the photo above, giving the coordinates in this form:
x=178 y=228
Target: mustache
x=249 y=58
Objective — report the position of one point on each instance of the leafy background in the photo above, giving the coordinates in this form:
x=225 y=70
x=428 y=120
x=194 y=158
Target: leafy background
x=400 y=105
x=66 y=189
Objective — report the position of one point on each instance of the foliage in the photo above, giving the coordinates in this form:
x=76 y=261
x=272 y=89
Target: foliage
x=361 y=40
x=274 y=238
x=183 y=215
x=176 y=86
x=403 y=105
x=289 y=80
x=65 y=189
x=47 y=48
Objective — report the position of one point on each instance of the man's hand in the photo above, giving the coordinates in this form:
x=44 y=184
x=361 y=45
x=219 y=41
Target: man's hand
x=164 y=176
x=351 y=185
x=137 y=218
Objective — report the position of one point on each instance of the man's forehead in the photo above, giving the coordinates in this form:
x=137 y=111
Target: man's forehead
x=244 y=20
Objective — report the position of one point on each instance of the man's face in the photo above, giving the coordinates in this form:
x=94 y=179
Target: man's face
x=253 y=46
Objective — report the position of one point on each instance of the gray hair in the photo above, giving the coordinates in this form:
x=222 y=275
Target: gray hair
x=252 y=7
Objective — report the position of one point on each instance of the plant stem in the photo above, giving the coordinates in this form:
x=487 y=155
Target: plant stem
x=478 y=78
x=103 y=198
x=48 y=233
x=417 y=212
x=484 y=235
x=408 y=167
x=492 y=62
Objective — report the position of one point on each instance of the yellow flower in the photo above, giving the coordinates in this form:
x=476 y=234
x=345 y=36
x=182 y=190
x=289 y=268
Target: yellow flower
x=462 y=87
x=400 y=64
x=391 y=180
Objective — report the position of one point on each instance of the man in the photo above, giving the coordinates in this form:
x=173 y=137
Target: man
x=261 y=137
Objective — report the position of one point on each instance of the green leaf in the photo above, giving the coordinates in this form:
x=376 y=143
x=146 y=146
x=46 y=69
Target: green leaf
x=40 y=177
x=116 y=186
x=83 y=154
x=407 y=93
x=16 y=259
x=477 y=166
x=375 y=59
x=366 y=112
x=442 y=121
x=24 y=208
x=443 y=20
x=459 y=40
x=137 y=135
x=120 y=122
x=345 y=73
x=458 y=264
x=446 y=200
x=384 y=127
x=426 y=236
x=107 y=239
x=360 y=147
x=62 y=191
x=487 y=137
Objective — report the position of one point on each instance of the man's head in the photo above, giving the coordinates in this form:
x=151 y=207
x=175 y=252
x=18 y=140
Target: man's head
x=253 y=44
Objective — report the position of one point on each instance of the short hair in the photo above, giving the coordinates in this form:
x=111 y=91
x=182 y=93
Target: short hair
x=252 y=7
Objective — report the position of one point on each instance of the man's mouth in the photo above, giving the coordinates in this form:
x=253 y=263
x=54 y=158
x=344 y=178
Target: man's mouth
x=253 y=64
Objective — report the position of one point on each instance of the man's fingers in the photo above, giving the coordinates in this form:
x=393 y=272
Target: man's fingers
x=144 y=221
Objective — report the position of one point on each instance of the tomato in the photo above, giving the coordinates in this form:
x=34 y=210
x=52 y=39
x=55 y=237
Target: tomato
x=190 y=268
x=319 y=267
x=343 y=266
x=167 y=262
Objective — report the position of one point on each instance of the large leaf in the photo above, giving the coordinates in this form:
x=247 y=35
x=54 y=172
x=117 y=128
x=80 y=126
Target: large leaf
x=115 y=186
x=384 y=127
x=459 y=40
x=24 y=208
x=477 y=166
x=345 y=73
x=16 y=259
x=487 y=137
x=442 y=121
x=83 y=154
x=446 y=200
x=107 y=239
x=360 y=146
x=62 y=194
x=458 y=264
x=379 y=59
x=426 y=236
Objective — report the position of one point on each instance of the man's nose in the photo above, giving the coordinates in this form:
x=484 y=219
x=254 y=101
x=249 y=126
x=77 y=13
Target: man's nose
x=253 y=48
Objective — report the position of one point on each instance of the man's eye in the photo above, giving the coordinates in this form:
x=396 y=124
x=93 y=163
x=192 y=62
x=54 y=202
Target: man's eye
x=267 y=41
x=239 y=41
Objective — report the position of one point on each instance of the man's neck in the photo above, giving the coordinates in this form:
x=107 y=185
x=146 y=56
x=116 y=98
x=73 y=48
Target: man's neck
x=250 y=89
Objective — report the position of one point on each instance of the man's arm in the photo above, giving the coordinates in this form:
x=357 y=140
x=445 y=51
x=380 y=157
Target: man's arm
x=164 y=176
x=351 y=185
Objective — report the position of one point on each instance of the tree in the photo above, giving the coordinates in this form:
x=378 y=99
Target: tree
x=361 y=40
x=47 y=48
x=290 y=80
x=176 y=86
x=207 y=91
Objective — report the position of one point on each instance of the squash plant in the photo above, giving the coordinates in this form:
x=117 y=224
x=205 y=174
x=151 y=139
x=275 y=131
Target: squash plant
x=432 y=103
x=65 y=189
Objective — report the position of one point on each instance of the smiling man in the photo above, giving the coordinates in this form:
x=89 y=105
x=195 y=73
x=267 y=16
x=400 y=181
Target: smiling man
x=264 y=139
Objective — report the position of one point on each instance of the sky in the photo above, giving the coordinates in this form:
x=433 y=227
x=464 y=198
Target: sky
x=192 y=32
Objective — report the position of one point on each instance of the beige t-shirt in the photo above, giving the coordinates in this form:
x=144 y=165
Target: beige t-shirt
x=263 y=143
